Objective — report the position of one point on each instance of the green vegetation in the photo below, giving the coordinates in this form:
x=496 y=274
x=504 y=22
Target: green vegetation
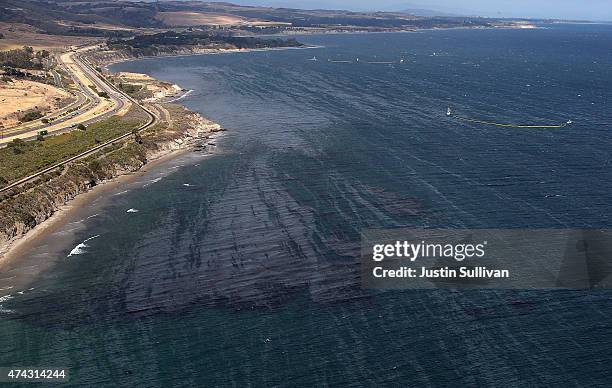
x=130 y=88
x=31 y=116
x=93 y=18
x=20 y=159
x=24 y=58
x=15 y=146
x=155 y=43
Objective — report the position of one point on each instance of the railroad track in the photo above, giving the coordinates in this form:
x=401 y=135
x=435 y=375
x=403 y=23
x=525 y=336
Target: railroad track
x=88 y=69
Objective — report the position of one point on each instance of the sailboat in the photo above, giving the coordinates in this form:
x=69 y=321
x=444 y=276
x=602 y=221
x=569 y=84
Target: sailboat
x=449 y=112
x=314 y=59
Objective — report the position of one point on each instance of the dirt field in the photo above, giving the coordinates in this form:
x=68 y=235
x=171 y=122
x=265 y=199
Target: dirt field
x=19 y=35
x=20 y=96
x=186 y=19
x=135 y=77
x=151 y=89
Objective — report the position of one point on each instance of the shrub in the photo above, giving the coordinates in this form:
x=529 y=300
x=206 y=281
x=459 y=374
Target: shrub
x=81 y=127
x=129 y=88
x=31 y=116
x=95 y=166
x=16 y=145
x=45 y=121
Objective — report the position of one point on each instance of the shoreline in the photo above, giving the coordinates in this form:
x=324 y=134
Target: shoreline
x=105 y=67
x=18 y=246
x=23 y=244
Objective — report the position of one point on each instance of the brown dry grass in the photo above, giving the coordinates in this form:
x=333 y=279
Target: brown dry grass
x=20 y=96
x=18 y=35
x=187 y=19
x=151 y=89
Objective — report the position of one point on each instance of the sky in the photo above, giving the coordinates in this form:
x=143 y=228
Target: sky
x=557 y=9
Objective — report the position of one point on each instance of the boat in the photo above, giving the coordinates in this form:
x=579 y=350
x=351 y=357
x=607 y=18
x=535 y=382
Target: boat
x=314 y=59
x=449 y=112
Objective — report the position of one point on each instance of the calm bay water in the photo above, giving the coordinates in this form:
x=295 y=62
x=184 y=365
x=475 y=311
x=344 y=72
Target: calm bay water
x=240 y=266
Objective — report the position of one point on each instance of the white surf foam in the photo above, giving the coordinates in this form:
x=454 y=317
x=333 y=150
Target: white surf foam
x=3 y=299
x=80 y=249
x=181 y=97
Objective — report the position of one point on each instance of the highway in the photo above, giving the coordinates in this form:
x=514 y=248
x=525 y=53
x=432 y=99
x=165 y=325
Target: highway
x=88 y=107
x=117 y=98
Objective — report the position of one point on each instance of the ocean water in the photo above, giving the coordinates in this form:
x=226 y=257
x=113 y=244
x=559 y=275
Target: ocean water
x=239 y=266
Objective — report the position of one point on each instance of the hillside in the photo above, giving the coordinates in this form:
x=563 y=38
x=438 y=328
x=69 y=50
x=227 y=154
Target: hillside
x=125 y=18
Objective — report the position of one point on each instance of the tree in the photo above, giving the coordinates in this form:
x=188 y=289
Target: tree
x=42 y=54
x=81 y=127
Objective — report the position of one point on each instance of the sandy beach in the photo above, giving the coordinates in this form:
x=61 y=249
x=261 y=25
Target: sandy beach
x=66 y=214
x=19 y=246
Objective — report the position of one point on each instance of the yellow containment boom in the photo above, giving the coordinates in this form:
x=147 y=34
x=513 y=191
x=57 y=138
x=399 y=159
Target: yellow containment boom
x=506 y=125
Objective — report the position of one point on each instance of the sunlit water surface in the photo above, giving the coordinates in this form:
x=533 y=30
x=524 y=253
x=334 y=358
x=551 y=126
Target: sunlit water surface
x=240 y=266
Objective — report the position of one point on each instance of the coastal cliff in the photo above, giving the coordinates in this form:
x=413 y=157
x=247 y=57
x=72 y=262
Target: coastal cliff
x=23 y=211
x=25 y=207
